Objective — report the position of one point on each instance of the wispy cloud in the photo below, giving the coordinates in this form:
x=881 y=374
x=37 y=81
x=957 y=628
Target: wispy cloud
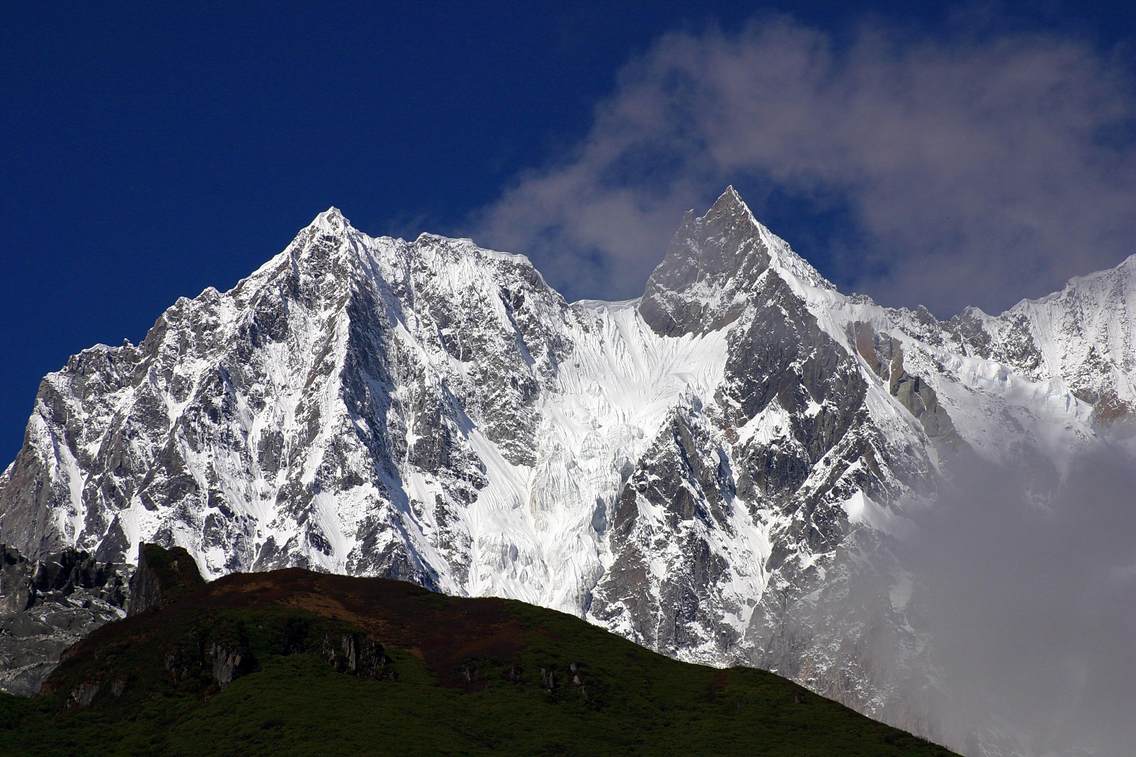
x=976 y=168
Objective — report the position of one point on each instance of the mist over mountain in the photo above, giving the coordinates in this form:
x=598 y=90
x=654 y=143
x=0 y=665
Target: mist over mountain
x=923 y=519
x=1030 y=604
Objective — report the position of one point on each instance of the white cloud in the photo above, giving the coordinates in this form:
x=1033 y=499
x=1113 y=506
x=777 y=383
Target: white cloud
x=976 y=170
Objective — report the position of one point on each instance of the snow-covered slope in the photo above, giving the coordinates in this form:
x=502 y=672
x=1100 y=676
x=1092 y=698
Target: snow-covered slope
x=690 y=469
x=1083 y=337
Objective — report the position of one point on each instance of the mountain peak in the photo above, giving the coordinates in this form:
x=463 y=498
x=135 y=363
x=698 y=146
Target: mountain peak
x=711 y=258
x=712 y=265
x=730 y=202
x=330 y=221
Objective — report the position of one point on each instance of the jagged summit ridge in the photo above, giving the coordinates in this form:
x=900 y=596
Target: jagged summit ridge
x=1083 y=335
x=715 y=266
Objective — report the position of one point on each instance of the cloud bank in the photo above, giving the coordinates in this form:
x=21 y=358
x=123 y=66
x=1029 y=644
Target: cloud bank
x=973 y=169
x=1031 y=605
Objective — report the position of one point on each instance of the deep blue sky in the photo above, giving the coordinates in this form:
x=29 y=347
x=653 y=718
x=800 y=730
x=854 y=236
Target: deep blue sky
x=149 y=153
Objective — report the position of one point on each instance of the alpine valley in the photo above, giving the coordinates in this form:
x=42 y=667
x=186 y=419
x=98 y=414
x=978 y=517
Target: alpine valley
x=721 y=470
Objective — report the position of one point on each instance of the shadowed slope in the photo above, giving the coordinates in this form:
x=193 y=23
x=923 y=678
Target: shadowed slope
x=295 y=662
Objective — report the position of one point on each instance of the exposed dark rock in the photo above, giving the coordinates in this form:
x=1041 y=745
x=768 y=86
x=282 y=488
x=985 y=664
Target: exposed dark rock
x=162 y=575
x=84 y=694
x=920 y=399
x=214 y=654
x=357 y=654
x=884 y=355
x=46 y=605
x=15 y=584
x=1113 y=412
x=229 y=662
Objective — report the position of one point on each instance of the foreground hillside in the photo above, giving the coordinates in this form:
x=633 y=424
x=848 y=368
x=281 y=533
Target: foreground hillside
x=296 y=662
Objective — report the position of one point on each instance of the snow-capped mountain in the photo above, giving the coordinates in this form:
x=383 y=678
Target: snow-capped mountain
x=703 y=470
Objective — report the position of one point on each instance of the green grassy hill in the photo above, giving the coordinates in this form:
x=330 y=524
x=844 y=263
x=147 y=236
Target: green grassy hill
x=295 y=662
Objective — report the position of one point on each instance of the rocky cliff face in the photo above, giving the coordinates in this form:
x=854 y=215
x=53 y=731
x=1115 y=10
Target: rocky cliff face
x=48 y=604
x=160 y=577
x=709 y=470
